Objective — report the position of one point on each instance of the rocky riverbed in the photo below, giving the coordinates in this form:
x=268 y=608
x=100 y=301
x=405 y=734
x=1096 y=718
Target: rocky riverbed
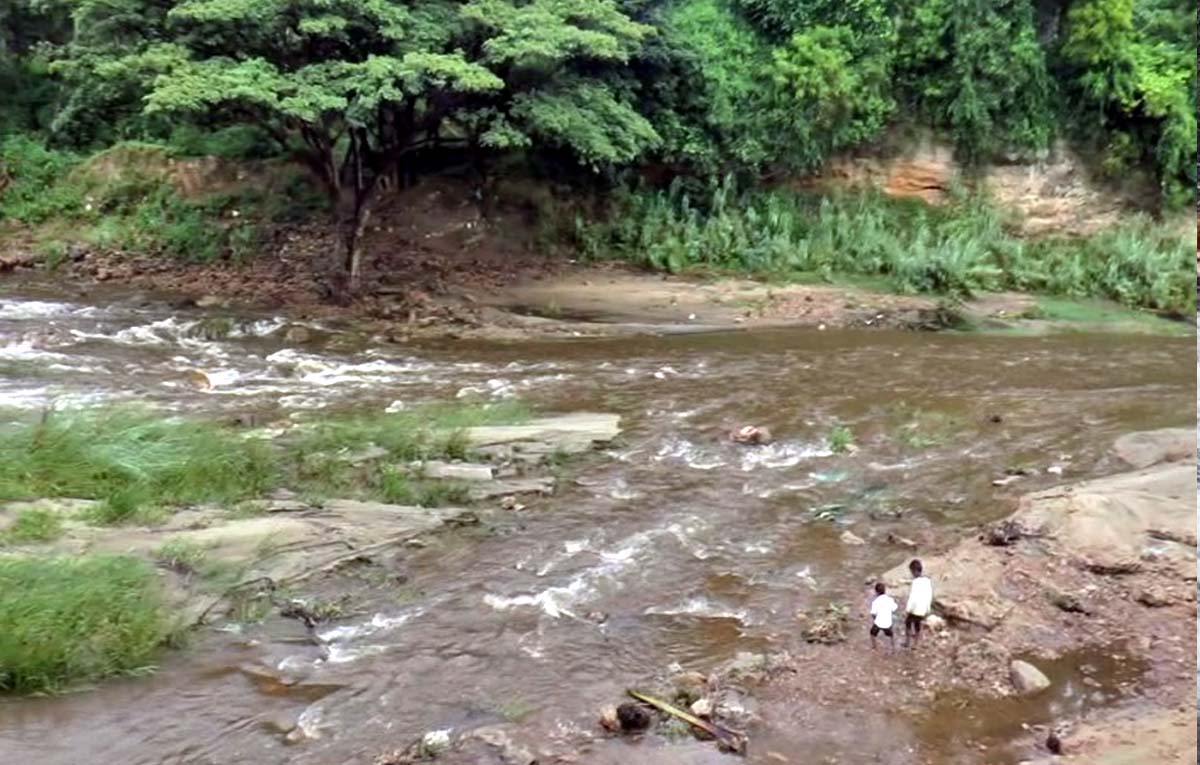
x=671 y=552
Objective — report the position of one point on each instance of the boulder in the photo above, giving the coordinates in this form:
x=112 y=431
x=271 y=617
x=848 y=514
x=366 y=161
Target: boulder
x=1026 y=678
x=570 y=434
x=1147 y=448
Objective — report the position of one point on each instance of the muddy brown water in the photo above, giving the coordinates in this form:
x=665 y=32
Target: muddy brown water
x=693 y=548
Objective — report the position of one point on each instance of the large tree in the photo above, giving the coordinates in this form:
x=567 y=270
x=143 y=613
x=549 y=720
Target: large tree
x=354 y=88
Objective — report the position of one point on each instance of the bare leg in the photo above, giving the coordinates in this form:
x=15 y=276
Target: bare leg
x=892 y=642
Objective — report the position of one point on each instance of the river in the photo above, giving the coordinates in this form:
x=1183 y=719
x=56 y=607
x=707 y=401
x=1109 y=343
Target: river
x=693 y=548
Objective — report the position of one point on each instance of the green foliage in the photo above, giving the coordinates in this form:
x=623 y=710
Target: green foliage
x=431 y=432
x=979 y=70
x=123 y=198
x=956 y=250
x=398 y=488
x=33 y=525
x=130 y=461
x=74 y=620
x=1132 y=68
x=181 y=555
x=841 y=439
x=831 y=97
x=34 y=193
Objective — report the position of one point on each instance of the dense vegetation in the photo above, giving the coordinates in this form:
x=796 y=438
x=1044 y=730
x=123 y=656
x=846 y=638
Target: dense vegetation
x=958 y=249
x=69 y=620
x=370 y=94
x=137 y=465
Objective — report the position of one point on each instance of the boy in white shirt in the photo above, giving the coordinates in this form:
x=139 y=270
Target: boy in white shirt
x=882 y=608
x=920 y=601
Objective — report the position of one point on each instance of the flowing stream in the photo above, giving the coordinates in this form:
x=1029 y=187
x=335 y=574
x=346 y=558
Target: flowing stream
x=694 y=548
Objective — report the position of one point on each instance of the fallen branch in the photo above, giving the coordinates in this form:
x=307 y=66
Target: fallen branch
x=730 y=740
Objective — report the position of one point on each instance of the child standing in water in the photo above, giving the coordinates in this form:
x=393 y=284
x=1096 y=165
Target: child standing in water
x=882 y=608
x=920 y=601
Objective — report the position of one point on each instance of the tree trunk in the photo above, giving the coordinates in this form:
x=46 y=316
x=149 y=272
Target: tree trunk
x=352 y=213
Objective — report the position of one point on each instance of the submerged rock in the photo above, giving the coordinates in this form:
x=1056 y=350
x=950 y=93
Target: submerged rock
x=850 y=538
x=1142 y=450
x=751 y=434
x=1026 y=678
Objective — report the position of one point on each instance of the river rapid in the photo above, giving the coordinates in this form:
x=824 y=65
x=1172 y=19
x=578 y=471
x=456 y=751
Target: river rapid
x=692 y=547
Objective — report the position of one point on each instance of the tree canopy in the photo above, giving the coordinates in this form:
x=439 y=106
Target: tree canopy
x=357 y=89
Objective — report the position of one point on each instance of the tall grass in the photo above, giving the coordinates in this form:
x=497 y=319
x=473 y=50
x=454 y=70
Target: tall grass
x=136 y=463
x=130 y=460
x=71 y=620
x=962 y=248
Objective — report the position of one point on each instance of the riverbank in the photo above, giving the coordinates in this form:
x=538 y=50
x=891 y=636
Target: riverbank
x=1076 y=623
x=1074 y=616
x=672 y=545
x=555 y=298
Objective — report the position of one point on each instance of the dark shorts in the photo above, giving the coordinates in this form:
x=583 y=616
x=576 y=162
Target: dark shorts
x=913 y=622
x=876 y=630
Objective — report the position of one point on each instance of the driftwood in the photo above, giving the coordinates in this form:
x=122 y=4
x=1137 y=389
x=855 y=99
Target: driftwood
x=728 y=740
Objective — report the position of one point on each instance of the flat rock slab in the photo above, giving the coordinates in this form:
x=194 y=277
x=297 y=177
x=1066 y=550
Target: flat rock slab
x=454 y=471
x=1152 y=447
x=1162 y=737
x=1111 y=522
x=571 y=433
x=280 y=546
x=513 y=486
x=1107 y=524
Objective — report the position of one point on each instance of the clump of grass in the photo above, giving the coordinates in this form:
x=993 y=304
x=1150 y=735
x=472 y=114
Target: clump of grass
x=73 y=620
x=513 y=709
x=432 y=432
x=921 y=429
x=131 y=462
x=397 y=488
x=181 y=555
x=138 y=465
x=34 y=525
x=841 y=439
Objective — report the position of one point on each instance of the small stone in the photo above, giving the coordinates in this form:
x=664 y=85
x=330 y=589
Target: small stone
x=850 y=538
x=899 y=541
x=690 y=685
x=1154 y=597
x=608 y=719
x=1026 y=678
x=702 y=708
x=297 y=335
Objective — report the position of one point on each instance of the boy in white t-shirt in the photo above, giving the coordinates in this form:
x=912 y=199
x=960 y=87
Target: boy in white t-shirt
x=882 y=608
x=920 y=602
